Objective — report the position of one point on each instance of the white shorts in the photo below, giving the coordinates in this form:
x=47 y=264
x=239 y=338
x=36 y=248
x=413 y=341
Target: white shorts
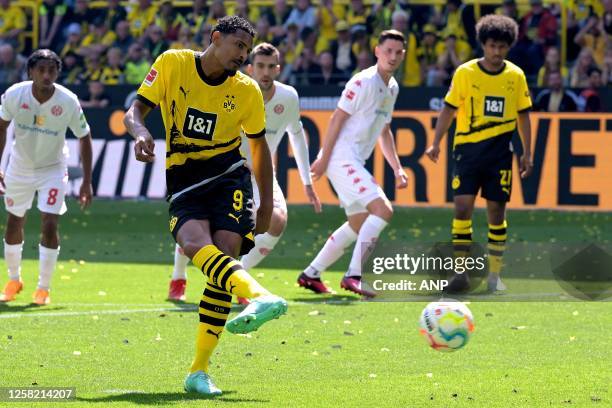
x=278 y=197
x=50 y=184
x=355 y=186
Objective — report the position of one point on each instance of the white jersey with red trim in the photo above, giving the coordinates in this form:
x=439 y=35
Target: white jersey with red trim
x=283 y=114
x=370 y=103
x=40 y=129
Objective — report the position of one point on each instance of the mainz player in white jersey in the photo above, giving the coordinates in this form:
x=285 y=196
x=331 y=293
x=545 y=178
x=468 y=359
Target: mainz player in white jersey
x=282 y=107
x=362 y=118
x=41 y=111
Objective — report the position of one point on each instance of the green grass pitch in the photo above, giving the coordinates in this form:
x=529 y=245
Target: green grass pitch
x=110 y=333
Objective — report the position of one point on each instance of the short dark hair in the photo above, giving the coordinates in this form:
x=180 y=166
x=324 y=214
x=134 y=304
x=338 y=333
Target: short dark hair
x=42 y=55
x=497 y=28
x=264 y=49
x=391 y=35
x=231 y=24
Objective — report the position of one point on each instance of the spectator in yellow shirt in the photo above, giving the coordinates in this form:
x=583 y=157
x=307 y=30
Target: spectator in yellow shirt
x=594 y=37
x=185 y=40
x=12 y=24
x=99 y=39
x=552 y=63
x=328 y=15
x=141 y=17
x=112 y=73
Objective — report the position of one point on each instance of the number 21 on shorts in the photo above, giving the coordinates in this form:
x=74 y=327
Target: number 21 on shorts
x=506 y=180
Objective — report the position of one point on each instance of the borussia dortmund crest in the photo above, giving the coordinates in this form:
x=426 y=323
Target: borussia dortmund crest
x=228 y=104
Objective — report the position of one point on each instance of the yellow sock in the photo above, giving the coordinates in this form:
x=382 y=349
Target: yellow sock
x=214 y=308
x=462 y=237
x=496 y=246
x=226 y=273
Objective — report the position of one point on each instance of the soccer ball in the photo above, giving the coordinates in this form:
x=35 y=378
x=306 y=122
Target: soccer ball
x=446 y=325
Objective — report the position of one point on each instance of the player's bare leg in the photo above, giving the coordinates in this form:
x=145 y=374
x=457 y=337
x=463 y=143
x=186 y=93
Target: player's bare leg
x=213 y=254
x=497 y=236
x=379 y=215
x=462 y=239
x=13 y=247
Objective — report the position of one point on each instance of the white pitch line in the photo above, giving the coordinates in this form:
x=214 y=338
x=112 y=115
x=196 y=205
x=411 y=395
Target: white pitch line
x=93 y=312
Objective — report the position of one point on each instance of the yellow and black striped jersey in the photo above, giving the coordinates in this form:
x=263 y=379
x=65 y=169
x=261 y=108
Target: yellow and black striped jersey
x=203 y=117
x=487 y=103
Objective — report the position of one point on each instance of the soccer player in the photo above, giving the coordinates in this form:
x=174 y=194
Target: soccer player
x=282 y=108
x=205 y=102
x=41 y=111
x=491 y=98
x=363 y=114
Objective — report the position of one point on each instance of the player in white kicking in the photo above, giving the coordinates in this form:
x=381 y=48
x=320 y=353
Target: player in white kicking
x=41 y=111
x=282 y=114
x=363 y=114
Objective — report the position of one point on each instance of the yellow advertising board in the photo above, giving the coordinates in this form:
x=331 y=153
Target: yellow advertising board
x=572 y=163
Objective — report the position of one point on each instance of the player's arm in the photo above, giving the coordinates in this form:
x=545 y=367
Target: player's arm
x=135 y=125
x=387 y=145
x=319 y=166
x=442 y=125
x=524 y=129
x=297 y=138
x=85 y=150
x=3 y=127
x=262 y=167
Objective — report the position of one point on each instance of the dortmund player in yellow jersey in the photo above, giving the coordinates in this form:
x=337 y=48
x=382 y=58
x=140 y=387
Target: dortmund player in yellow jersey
x=491 y=98
x=205 y=102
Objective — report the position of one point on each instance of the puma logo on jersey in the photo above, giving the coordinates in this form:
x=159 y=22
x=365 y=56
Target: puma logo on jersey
x=234 y=217
x=183 y=91
x=217 y=334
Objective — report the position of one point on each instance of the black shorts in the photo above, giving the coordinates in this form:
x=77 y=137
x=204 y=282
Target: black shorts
x=491 y=174
x=227 y=203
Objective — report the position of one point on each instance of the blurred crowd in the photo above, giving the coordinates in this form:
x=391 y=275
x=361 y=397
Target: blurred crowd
x=322 y=43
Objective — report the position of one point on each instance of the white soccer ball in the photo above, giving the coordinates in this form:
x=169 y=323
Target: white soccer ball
x=446 y=325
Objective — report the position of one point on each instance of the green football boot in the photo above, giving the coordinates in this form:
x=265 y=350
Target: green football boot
x=201 y=383
x=261 y=310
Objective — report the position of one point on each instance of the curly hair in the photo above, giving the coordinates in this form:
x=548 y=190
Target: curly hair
x=43 y=55
x=231 y=24
x=497 y=28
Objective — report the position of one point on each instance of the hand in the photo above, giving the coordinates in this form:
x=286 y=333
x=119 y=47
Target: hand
x=313 y=198
x=433 y=152
x=525 y=166
x=144 y=149
x=401 y=179
x=318 y=168
x=85 y=194
x=2 y=185
x=264 y=213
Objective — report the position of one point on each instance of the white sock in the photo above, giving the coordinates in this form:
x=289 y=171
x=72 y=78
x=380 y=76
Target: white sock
x=264 y=243
x=12 y=255
x=47 y=258
x=333 y=249
x=366 y=241
x=180 y=264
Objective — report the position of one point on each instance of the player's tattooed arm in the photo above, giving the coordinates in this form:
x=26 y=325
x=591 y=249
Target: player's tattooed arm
x=524 y=128
x=262 y=167
x=444 y=121
x=134 y=123
x=3 y=126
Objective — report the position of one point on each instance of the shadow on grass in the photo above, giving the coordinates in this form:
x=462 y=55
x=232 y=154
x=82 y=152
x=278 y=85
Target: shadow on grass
x=13 y=308
x=164 y=398
x=339 y=300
